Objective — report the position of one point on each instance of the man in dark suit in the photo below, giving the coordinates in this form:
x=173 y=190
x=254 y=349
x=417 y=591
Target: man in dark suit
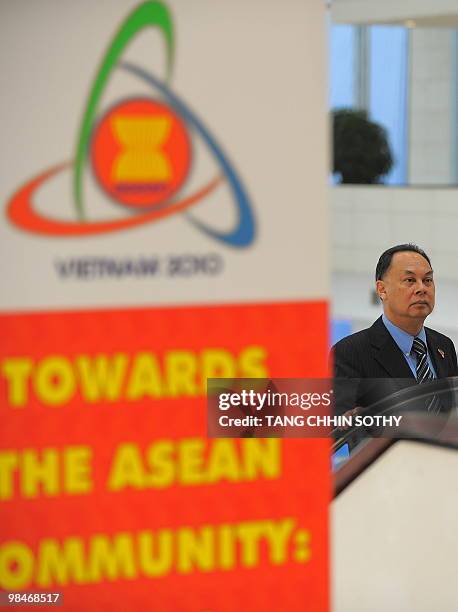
x=397 y=346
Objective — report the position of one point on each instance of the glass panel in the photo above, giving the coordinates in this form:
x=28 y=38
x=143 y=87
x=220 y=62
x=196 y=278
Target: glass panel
x=388 y=92
x=342 y=65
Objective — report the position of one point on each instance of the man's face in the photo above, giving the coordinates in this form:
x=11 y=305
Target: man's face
x=407 y=289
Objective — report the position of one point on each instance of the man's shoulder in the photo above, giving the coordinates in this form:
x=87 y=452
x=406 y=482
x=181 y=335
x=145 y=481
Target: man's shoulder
x=438 y=337
x=443 y=345
x=352 y=357
x=360 y=339
x=353 y=340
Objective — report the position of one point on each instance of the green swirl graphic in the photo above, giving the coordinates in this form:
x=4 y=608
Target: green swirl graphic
x=147 y=14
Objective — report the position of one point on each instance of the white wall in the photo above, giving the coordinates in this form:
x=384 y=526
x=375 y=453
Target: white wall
x=431 y=107
x=374 y=11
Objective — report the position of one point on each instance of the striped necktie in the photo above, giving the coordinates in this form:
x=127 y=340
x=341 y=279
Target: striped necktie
x=423 y=370
x=424 y=373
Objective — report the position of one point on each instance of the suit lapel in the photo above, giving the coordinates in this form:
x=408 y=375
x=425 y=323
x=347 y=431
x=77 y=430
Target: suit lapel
x=387 y=353
x=439 y=363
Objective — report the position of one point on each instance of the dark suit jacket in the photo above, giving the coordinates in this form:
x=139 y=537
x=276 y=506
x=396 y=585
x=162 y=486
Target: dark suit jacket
x=373 y=354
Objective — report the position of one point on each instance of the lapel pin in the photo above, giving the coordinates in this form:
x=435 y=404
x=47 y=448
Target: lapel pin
x=441 y=353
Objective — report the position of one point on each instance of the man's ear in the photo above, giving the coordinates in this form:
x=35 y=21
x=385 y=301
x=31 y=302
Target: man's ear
x=380 y=288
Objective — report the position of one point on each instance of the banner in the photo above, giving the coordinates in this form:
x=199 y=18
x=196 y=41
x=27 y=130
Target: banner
x=107 y=476
x=164 y=222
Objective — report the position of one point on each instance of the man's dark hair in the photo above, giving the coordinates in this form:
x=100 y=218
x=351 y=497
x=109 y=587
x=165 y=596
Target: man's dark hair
x=385 y=258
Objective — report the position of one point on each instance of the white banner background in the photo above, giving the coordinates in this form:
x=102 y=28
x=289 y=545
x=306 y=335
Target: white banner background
x=253 y=71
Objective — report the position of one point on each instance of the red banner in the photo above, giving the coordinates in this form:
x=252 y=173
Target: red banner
x=106 y=476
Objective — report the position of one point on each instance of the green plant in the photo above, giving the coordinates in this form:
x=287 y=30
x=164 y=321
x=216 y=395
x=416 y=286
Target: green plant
x=361 y=150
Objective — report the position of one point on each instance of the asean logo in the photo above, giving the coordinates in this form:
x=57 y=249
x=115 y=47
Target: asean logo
x=139 y=152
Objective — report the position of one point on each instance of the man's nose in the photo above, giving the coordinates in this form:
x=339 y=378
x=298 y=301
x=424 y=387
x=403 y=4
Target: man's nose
x=421 y=287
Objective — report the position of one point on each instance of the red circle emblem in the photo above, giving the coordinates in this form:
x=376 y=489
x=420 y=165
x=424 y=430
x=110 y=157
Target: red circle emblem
x=141 y=153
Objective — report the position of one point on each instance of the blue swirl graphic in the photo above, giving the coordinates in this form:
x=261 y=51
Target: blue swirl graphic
x=244 y=232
